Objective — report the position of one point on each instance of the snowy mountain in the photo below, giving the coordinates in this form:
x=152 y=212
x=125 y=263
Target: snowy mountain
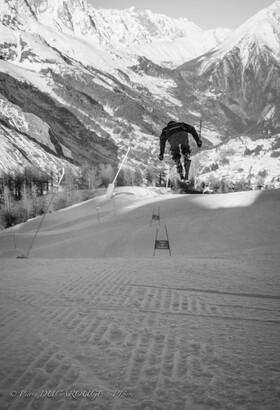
x=83 y=82
x=78 y=84
x=238 y=86
x=175 y=40
x=242 y=161
x=241 y=76
x=172 y=53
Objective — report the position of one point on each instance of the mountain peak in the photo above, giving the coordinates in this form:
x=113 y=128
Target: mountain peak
x=261 y=30
x=90 y=78
x=119 y=28
x=275 y=5
x=132 y=9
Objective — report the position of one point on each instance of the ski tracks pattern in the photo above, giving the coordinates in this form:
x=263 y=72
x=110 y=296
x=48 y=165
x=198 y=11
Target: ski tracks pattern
x=126 y=336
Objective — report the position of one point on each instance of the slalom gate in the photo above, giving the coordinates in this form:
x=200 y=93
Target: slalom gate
x=162 y=244
x=155 y=216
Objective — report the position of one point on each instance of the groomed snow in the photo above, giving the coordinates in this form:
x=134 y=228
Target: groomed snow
x=92 y=310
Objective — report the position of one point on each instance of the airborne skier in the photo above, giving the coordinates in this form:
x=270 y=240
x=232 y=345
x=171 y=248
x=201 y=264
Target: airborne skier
x=176 y=133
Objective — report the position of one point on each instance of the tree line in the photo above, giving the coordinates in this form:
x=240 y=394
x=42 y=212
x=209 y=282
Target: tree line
x=26 y=194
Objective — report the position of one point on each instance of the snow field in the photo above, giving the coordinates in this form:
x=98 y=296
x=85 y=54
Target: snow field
x=198 y=330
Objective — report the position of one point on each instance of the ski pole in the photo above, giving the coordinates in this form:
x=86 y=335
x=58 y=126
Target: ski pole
x=200 y=126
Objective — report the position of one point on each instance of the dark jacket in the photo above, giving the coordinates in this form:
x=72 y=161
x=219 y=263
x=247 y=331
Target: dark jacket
x=172 y=130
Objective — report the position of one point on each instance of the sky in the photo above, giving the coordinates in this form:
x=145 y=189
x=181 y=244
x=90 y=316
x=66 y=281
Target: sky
x=207 y=14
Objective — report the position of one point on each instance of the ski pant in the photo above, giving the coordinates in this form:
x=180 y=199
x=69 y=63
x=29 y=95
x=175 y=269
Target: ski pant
x=179 y=143
x=176 y=156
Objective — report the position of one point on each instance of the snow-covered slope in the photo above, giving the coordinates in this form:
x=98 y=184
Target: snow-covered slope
x=114 y=94
x=119 y=28
x=176 y=40
x=124 y=230
x=241 y=160
x=172 y=53
x=260 y=31
x=242 y=76
x=88 y=98
x=98 y=80
x=92 y=320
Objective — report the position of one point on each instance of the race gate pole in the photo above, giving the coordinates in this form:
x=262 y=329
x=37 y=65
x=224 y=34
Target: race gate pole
x=42 y=219
x=109 y=192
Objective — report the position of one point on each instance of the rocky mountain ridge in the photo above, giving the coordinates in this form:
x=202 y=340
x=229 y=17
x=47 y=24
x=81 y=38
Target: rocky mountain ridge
x=71 y=92
x=242 y=74
x=128 y=29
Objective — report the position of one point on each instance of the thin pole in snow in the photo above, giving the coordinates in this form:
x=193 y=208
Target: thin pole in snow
x=121 y=166
x=42 y=219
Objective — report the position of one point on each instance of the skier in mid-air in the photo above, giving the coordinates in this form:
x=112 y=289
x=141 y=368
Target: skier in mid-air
x=176 y=133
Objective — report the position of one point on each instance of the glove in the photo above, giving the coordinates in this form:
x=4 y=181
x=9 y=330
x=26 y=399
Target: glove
x=199 y=143
x=160 y=157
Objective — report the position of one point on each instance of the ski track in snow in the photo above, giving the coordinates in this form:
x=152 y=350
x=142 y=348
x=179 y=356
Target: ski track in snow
x=197 y=330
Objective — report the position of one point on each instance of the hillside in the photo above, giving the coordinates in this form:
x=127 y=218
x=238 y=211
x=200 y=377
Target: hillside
x=241 y=76
x=237 y=83
x=78 y=85
x=212 y=222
